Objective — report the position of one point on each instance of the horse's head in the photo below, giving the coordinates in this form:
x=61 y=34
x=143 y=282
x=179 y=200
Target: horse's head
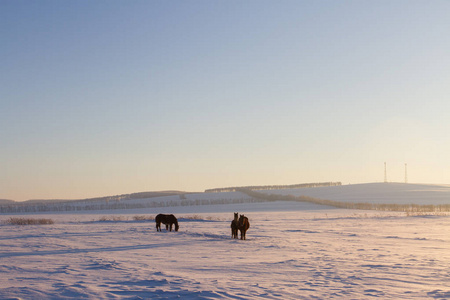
x=236 y=217
x=241 y=219
x=176 y=226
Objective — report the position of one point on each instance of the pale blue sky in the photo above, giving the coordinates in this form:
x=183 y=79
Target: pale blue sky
x=110 y=97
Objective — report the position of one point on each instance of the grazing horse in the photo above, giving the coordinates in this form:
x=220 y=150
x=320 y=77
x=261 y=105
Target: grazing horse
x=243 y=226
x=234 y=226
x=167 y=220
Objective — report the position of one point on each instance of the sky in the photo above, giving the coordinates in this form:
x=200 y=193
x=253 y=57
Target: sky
x=112 y=97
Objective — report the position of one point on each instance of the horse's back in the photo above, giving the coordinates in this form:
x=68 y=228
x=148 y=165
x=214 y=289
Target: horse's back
x=163 y=217
x=171 y=218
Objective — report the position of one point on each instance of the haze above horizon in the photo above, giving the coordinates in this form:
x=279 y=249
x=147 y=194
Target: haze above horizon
x=112 y=97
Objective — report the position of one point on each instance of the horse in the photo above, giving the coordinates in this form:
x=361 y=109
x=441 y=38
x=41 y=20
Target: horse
x=243 y=226
x=234 y=226
x=167 y=220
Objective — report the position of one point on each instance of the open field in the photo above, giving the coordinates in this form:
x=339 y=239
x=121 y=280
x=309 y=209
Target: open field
x=293 y=251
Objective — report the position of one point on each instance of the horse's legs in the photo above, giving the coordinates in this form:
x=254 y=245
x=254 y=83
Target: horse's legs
x=170 y=226
x=243 y=231
x=158 y=226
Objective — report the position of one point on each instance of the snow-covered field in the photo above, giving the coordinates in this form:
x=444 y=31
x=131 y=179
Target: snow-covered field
x=293 y=251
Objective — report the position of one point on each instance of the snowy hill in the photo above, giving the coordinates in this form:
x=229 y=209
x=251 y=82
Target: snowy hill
x=380 y=193
x=386 y=193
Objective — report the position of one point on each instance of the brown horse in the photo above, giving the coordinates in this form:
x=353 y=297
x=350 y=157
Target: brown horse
x=235 y=226
x=243 y=226
x=167 y=220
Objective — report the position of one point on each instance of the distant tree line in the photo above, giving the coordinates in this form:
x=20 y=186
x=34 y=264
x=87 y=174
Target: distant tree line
x=273 y=187
x=109 y=205
x=99 y=203
x=5 y=201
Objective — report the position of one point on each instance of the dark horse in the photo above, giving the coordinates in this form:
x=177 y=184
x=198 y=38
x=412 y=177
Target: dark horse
x=234 y=226
x=243 y=226
x=167 y=220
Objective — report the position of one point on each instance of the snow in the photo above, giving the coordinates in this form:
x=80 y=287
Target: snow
x=293 y=251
